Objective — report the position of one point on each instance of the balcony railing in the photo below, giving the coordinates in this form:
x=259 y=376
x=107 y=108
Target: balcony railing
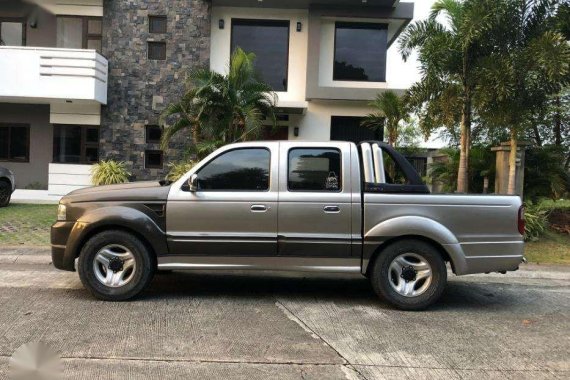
x=40 y=75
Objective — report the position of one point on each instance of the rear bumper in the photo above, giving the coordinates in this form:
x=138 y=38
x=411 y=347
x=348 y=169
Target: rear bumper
x=60 y=256
x=470 y=258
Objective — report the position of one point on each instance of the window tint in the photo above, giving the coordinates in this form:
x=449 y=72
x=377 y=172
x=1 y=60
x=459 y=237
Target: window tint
x=153 y=159
x=14 y=142
x=269 y=41
x=157 y=50
x=157 y=24
x=360 y=52
x=153 y=134
x=314 y=169
x=241 y=169
x=350 y=128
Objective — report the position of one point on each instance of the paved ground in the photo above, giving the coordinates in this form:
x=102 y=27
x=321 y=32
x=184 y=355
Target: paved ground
x=211 y=326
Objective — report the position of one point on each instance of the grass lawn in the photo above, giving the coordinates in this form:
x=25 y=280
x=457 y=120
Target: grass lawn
x=23 y=224
x=552 y=248
x=26 y=224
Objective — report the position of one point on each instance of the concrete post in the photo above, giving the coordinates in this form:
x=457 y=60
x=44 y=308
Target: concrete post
x=502 y=167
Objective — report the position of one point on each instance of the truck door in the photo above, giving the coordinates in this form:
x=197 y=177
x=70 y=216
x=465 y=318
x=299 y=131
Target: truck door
x=233 y=211
x=314 y=218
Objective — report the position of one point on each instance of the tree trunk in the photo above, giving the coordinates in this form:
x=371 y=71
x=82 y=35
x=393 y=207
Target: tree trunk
x=537 y=138
x=557 y=123
x=392 y=136
x=513 y=164
x=462 y=177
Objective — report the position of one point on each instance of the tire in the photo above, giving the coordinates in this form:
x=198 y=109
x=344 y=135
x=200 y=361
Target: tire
x=132 y=263
x=409 y=274
x=5 y=193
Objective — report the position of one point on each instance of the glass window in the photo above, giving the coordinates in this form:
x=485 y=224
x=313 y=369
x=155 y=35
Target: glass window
x=153 y=134
x=314 y=169
x=237 y=170
x=75 y=144
x=12 y=33
x=157 y=50
x=15 y=142
x=350 y=128
x=269 y=41
x=360 y=52
x=70 y=32
x=157 y=24
x=153 y=159
x=79 y=32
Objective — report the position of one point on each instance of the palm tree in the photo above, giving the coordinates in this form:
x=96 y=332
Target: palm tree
x=390 y=111
x=222 y=108
x=449 y=53
x=530 y=62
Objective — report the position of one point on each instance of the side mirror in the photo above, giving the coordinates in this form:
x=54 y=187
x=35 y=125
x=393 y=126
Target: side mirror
x=193 y=183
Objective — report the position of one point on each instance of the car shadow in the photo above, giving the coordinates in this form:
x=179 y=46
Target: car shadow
x=342 y=289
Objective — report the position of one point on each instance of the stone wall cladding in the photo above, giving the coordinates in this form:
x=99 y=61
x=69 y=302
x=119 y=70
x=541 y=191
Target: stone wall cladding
x=139 y=88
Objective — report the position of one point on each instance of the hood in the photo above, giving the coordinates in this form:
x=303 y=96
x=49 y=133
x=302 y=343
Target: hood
x=151 y=191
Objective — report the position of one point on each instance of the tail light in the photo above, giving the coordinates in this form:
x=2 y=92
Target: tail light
x=521 y=220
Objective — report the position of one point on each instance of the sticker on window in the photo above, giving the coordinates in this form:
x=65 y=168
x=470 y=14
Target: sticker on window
x=331 y=183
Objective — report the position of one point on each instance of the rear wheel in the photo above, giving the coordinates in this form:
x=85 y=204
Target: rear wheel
x=115 y=266
x=410 y=274
x=5 y=193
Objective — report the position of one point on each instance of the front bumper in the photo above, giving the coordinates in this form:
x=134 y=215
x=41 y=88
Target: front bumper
x=61 y=257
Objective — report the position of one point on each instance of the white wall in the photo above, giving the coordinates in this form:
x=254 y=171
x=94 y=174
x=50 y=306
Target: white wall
x=315 y=125
x=221 y=45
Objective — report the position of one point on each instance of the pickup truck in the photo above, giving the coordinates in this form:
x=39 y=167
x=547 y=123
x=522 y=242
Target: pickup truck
x=292 y=206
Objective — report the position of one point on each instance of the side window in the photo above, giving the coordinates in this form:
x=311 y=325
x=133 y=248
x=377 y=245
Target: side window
x=314 y=169
x=237 y=170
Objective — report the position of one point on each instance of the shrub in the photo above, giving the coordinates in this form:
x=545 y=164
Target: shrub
x=109 y=172
x=536 y=222
x=178 y=169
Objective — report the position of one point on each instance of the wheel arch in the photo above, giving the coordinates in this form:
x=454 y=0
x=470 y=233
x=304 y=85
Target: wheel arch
x=380 y=248
x=119 y=218
x=416 y=228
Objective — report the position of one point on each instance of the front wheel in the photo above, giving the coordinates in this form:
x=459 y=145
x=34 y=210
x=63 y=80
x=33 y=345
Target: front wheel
x=410 y=274
x=115 y=266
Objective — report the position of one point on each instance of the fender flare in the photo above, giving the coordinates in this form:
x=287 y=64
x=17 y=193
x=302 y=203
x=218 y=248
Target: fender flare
x=118 y=217
x=413 y=226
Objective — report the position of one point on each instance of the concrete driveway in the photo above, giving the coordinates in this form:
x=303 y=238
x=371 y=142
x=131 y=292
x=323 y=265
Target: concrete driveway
x=206 y=325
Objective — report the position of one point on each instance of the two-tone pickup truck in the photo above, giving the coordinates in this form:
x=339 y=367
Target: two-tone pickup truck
x=293 y=206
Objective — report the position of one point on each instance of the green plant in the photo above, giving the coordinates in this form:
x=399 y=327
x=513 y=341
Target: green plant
x=222 y=108
x=536 y=222
x=108 y=172
x=389 y=112
x=178 y=169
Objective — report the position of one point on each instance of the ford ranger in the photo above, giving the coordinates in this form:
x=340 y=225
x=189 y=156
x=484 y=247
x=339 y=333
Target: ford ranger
x=292 y=206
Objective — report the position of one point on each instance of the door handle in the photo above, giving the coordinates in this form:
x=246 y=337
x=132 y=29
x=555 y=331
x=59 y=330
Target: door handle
x=331 y=209
x=258 y=208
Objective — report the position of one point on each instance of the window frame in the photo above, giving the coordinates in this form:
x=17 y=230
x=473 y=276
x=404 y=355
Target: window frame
x=238 y=191
x=83 y=144
x=85 y=36
x=265 y=22
x=20 y=20
x=146 y=133
x=148 y=43
x=358 y=25
x=341 y=187
x=9 y=126
x=163 y=17
x=154 y=151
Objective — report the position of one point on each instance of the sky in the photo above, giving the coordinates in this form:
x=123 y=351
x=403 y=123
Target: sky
x=402 y=74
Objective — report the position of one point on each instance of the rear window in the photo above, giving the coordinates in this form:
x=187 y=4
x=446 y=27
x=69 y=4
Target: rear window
x=314 y=169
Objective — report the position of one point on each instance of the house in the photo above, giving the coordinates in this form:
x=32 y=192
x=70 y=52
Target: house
x=84 y=80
